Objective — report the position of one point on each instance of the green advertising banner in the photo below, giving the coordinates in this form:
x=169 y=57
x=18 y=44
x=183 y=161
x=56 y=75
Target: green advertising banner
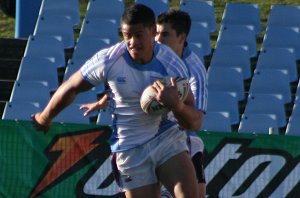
x=72 y=160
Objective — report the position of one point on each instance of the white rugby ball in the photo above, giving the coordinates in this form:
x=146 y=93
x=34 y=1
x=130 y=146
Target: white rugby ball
x=150 y=105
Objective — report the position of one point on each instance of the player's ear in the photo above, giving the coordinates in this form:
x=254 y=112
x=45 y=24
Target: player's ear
x=182 y=38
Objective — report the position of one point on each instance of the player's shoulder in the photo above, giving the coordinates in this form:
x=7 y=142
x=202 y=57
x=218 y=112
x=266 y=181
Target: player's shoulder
x=164 y=52
x=192 y=59
x=113 y=51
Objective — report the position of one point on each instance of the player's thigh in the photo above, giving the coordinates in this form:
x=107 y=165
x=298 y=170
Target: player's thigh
x=148 y=191
x=178 y=175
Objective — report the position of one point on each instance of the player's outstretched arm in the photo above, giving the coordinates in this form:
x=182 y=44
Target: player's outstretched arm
x=90 y=107
x=63 y=96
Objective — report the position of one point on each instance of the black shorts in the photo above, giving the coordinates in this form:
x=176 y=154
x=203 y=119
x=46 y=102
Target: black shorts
x=198 y=164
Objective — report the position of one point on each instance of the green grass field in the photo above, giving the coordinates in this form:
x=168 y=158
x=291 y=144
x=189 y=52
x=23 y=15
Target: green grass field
x=7 y=24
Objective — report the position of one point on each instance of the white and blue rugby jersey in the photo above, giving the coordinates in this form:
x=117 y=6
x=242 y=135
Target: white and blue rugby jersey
x=127 y=80
x=198 y=84
x=197 y=80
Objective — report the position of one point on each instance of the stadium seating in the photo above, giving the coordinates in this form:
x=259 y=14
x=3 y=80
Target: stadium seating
x=224 y=102
x=278 y=58
x=63 y=31
x=20 y=110
x=197 y=49
x=267 y=104
x=297 y=92
x=201 y=11
x=31 y=91
x=86 y=97
x=216 y=121
x=283 y=37
x=296 y=108
x=106 y=9
x=238 y=35
x=291 y=15
x=258 y=123
x=200 y=35
x=232 y=56
x=242 y=14
x=104 y=118
x=47 y=47
x=67 y=8
x=72 y=114
x=38 y=69
x=271 y=81
x=86 y=47
x=293 y=126
x=100 y=28
x=226 y=79
x=158 y=6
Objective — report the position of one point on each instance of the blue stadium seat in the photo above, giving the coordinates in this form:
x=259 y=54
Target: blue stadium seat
x=296 y=108
x=232 y=56
x=63 y=31
x=31 y=91
x=158 y=6
x=271 y=81
x=235 y=13
x=72 y=114
x=200 y=35
x=201 y=11
x=216 y=121
x=100 y=28
x=47 y=47
x=282 y=37
x=105 y=9
x=238 y=35
x=226 y=79
x=258 y=123
x=104 y=118
x=197 y=49
x=86 y=47
x=267 y=104
x=279 y=58
x=20 y=110
x=291 y=15
x=38 y=69
x=86 y=97
x=67 y=8
x=293 y=126
x=297 y=92
x=224 y=102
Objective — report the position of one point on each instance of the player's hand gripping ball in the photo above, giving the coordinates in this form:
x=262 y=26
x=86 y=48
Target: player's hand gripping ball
x=151 y=106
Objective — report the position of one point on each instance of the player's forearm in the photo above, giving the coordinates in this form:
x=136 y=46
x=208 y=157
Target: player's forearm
x=187 y=116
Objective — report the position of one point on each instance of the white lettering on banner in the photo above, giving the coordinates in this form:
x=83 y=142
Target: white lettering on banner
x=228 y=152
x=92 y=185
x=288 y=183
x=234 y=170
x=260 y=182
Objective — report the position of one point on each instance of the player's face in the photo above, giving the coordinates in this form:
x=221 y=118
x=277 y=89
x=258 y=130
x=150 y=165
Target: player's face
x=139 y=41
x=167 y=35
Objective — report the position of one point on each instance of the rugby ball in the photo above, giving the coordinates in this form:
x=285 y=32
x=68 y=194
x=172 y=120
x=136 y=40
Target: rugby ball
x=148 y=101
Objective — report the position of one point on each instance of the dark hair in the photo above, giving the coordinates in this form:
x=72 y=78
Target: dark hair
x=138 y=14
x=179 y=20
